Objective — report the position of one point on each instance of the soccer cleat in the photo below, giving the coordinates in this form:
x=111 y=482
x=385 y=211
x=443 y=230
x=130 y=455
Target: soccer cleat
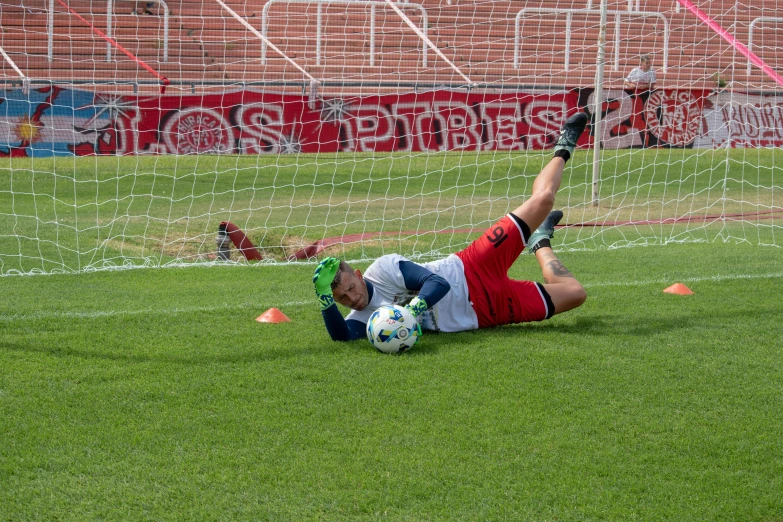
x=569 y=134
x=546 y=230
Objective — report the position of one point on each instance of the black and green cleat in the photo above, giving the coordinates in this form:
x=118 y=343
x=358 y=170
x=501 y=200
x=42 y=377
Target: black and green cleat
x=569 y=134
x=545 y=231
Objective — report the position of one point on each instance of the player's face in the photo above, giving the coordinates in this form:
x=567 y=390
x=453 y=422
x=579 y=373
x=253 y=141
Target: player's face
x=352 y=291
x=646 y=66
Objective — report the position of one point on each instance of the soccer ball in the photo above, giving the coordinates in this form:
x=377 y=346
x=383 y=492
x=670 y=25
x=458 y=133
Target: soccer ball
x=393 y=329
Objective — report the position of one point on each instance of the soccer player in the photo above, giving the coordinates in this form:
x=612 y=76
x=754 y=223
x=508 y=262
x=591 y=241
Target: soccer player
x=470 y=289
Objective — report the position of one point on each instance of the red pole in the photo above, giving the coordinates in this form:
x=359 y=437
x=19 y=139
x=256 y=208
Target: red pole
x=112 y=41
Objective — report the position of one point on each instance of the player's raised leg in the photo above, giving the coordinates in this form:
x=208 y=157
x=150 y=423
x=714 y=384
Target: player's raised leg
x=563 y=288
x=536 y=208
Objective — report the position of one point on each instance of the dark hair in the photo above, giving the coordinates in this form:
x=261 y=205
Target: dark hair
x=338 y=277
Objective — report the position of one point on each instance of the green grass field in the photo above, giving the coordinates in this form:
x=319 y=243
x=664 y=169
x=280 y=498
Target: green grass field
x=82 y=214
x=154 y=395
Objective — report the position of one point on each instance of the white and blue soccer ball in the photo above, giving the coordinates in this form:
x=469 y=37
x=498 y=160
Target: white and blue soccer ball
x=393 y=329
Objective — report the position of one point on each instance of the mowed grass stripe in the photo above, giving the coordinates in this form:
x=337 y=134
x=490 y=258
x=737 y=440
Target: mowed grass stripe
x=42 y=314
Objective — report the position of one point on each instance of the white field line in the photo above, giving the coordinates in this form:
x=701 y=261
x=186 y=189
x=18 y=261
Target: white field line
x=672 y=280
x=97 y=314
x=255 y=308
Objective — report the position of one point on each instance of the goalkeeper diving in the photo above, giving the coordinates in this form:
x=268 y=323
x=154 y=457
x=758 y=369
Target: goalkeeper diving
x=471 y=288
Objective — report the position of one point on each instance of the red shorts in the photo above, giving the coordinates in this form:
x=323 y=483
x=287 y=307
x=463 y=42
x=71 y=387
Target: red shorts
x=496 y=298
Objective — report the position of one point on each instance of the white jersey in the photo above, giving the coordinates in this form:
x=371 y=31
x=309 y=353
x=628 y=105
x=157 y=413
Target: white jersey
x=453 y=313
x=637 y=75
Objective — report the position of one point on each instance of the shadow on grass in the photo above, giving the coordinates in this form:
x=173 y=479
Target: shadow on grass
x=605 y=326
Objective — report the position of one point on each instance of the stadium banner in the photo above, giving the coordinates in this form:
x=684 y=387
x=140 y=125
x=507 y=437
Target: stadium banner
x=743 y=120
x=659 y=118
x=57 y=121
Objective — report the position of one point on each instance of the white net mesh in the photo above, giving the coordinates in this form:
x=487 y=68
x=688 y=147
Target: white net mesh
x=365 y=127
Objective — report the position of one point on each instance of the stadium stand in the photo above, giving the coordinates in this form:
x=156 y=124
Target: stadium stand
x=206 y=46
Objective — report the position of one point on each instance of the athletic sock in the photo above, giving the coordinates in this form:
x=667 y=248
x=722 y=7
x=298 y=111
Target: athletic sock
x=541 y=243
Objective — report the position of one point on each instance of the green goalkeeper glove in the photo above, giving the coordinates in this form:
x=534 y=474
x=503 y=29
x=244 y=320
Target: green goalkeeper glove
x=417 y=306
x=322 y=279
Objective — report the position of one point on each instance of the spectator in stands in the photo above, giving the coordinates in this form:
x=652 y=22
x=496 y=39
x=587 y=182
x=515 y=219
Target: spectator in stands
x=641 y=78
x=638 y=85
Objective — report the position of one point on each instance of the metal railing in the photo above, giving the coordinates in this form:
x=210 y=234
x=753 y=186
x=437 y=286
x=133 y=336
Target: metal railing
x=222 y=85
x=753 y=24
x=109 y=26
x=373 y=4
x=637 y=4
x=591 y=12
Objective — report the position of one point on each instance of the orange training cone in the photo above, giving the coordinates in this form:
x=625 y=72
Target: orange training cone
x=679 y=289
x=273 y=315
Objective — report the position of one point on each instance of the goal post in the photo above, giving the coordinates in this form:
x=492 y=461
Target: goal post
x=351 y=144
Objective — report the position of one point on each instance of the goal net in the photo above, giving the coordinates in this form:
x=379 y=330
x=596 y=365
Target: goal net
x=160 y=133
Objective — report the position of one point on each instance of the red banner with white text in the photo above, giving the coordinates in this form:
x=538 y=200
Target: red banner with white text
x=249 y=122
x=57 y=121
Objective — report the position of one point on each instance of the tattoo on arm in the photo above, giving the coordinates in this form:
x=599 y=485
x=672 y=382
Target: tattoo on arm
x=558 y=269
